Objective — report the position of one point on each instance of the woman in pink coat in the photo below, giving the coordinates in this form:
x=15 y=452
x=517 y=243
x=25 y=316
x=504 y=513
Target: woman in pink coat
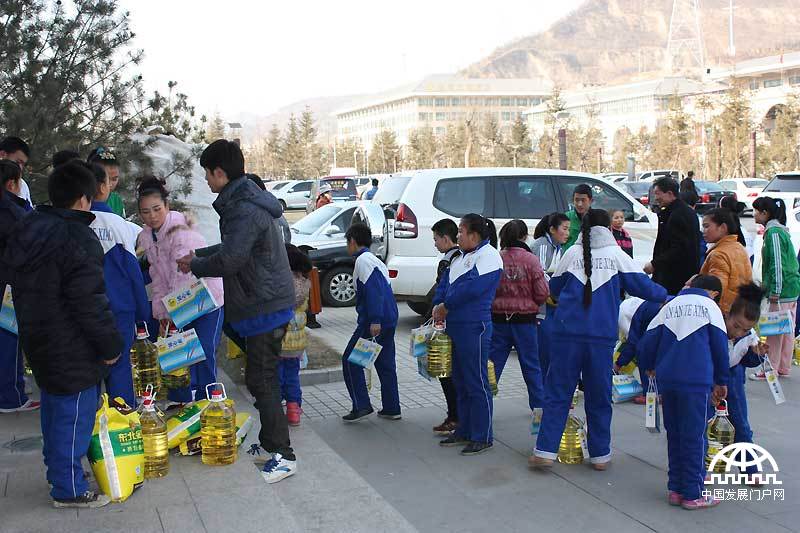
x=523 y=288
x=166 y=237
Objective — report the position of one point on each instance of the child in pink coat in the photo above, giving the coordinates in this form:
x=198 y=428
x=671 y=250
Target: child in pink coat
x=167 y=236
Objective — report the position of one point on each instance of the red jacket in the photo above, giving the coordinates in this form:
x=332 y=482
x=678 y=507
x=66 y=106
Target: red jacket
x=523 y=286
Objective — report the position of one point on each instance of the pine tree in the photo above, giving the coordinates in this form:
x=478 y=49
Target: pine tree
x=423 y=150
x=274 y=161
x=732 y=127
x=780 y=152
x=495 y=152
x=312 y=152
x=520 y=144
x=672 y=139
x=293 y=150
x=384 y=157
x=174 y=114
x=216 y=128
x=67 y=80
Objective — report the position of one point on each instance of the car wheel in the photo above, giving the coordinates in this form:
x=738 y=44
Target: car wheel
x=338 y=287
x=283 y=204
x=421 y=308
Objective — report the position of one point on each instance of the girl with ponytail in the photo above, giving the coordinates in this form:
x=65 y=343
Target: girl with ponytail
x=464 y=299
x=167 y=236
x=745 y=352
x=587 y=284
x=779 y=274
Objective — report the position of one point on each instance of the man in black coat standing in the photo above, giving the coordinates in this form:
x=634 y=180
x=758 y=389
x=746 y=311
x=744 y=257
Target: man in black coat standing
x=676 y=255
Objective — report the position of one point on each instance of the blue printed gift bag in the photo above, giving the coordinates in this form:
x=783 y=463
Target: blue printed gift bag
x=624 y=388
x=777 y=322
x=179 y=351
x=189 y=303
x=364 y=353
x=8 y=318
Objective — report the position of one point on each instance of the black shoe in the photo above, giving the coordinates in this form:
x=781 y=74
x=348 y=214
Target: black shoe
x=453 y=440
x=86 y=500
x=389 y=416
x=474 y=448
x=355 y=416
x=313 y=325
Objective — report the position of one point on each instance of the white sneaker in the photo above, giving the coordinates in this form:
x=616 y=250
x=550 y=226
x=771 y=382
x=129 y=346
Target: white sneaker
x=278 y=468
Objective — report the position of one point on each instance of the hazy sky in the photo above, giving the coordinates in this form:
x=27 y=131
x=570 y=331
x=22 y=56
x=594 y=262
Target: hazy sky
x=236 y=56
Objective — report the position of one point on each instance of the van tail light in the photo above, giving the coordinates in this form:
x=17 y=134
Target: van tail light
x=644 y=200
x=752 y=195
x=392 y=274
x=405 y=223
x=706 y=198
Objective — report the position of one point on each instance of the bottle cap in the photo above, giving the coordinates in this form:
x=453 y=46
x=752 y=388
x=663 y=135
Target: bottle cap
x=216 y=394
x=722 y=408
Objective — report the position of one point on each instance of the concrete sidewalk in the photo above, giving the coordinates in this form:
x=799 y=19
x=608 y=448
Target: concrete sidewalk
x=382 y=475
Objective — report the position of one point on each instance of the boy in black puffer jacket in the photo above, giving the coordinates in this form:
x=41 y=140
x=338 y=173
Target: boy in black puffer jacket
x=65 y=324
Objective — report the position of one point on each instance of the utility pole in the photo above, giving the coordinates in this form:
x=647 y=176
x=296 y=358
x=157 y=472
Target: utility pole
x=731 y=42
x=562 y=149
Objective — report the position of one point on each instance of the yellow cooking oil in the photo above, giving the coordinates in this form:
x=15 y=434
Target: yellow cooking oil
x=218 y=428
x=154 y=435
x=144 y=363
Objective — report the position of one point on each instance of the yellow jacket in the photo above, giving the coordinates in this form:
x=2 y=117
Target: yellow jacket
x=728 y=261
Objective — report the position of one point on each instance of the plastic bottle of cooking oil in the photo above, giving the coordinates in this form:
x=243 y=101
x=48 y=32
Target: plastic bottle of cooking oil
x=154 y=435
x=177 y=379
x=796 y=358
x=570 y=450
x=218 y=427
x=440 y=349
x=144 y=363
x=720 y=433
x=492 y=378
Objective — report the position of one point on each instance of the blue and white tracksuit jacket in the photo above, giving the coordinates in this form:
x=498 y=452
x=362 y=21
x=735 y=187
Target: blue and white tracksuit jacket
x=375 y=304
x=125 y=289
x=644 y=314
x=687 y=346
x=584 y=339
x=467 y=291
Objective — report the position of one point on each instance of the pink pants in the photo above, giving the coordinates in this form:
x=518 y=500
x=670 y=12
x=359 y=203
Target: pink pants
x=781 y=347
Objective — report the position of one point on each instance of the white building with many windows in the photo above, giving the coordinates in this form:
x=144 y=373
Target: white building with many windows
x=437 y=102
x=620 y=109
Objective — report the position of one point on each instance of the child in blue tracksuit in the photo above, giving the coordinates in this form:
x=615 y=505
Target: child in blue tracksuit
x=377 y=318
x=124 y=284
x=464 y=299
x=587 y=284
x=644 y=314
x=686 y=349
x=745 y=352
x=12 y=367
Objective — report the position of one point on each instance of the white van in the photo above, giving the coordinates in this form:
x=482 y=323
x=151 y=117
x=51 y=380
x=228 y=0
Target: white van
x=412 y=202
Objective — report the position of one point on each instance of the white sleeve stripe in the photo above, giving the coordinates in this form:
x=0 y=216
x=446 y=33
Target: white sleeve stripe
x=776 y=250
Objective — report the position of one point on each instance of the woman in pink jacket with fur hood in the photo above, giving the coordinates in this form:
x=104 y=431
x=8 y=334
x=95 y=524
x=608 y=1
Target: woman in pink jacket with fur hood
x=168 y=235
x=523 y=288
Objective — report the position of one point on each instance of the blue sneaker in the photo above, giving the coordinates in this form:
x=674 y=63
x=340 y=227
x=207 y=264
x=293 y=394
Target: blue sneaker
x=278 y=468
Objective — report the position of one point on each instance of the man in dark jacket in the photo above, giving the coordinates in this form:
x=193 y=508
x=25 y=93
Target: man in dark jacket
x=259 y=288
x=12 y=368
x=676 y=252
x=65 y=324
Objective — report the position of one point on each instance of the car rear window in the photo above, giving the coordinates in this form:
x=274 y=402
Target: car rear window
x=391 y=190
x=708 y=186
x=279 y=186
x=459 y=196
x=755 y=184
x=784 y=183
x=342 y=188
